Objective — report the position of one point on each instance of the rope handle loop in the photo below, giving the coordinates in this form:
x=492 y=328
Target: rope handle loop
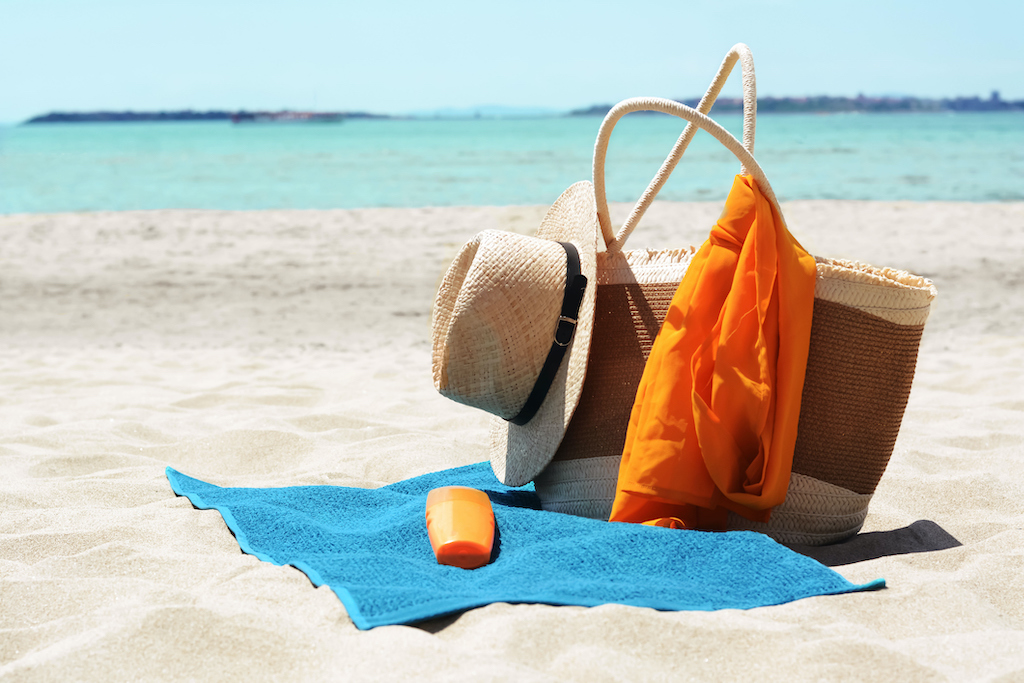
x=740 y=53
x=697 y=120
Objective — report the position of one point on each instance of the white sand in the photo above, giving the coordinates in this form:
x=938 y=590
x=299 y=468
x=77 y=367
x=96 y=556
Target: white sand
x=283 y=348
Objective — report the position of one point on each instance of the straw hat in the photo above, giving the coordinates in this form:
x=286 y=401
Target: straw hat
x=507 y=335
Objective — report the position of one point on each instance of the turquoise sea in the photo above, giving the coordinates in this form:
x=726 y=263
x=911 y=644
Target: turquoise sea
x=408 y=163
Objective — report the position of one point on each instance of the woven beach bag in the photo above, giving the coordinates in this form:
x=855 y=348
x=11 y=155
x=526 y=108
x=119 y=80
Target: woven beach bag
x=866 y=329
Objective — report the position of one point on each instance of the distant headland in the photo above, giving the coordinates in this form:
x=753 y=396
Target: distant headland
x=765 y=105
x=284 y=116
x=825 y=104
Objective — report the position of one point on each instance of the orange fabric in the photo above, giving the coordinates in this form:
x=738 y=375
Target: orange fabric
x=715 y=418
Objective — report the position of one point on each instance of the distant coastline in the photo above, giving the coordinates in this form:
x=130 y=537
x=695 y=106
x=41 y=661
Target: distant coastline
x=191 y=115
x=765 y=105
x=827 y=105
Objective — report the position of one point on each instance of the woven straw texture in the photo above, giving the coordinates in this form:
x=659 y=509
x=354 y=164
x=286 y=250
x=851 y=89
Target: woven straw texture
x=584 y=487
x=888 y=293
x=859 y=371
x=494 y=321
x=479 y=364
x=630 y=309
x=519 y=453
x=814 y=513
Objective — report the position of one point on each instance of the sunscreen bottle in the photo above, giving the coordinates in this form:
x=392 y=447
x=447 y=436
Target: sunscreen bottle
x=460 y=523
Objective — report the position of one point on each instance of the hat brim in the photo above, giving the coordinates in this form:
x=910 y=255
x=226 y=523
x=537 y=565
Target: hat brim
x=519 y=453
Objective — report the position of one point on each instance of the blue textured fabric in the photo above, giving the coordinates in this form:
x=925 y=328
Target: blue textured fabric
x=371 y=547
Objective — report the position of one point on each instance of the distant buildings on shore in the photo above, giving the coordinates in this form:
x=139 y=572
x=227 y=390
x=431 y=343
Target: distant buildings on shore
x=825 y=104
x=765 y=105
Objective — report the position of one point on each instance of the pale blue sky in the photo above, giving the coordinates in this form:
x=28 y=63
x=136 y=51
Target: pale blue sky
x=397 y=57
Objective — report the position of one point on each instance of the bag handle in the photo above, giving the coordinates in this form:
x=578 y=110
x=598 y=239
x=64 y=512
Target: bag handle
x=698 y=120
x=740 y=53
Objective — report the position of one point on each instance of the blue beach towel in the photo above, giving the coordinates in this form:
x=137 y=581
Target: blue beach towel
x=370 y=546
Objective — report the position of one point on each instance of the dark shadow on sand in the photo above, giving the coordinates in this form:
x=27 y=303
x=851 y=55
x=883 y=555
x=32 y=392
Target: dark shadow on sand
x=922 y=536
x=438 y=624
